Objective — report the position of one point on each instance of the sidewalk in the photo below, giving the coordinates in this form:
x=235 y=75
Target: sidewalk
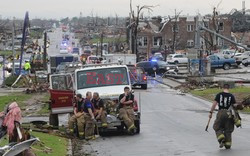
x=11 y=90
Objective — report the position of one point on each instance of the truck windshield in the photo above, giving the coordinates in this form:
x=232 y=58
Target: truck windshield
x=102 y=77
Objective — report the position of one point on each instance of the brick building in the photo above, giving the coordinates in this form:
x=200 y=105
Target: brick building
x=155 y=36
x=186 y=29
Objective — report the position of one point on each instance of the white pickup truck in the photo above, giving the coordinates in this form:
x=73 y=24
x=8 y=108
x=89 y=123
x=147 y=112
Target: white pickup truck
x=108 y=80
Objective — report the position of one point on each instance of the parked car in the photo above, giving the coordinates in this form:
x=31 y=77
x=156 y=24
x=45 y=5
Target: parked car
x=76 y=51
x=246 y=62
x=228 y=53
x=221 y=62
x=242 y=57
x=137 y=76
x=160 y=67
x=158 y=54
x=92 y=59
x=177 y=58
x=64 y=51
x=156 y=58
x=66 y=67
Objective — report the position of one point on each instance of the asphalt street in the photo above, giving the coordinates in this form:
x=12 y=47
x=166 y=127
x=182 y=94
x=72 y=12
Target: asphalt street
x=172 y=124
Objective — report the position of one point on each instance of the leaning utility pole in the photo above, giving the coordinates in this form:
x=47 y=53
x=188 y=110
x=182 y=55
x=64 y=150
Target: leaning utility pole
x=25 y=32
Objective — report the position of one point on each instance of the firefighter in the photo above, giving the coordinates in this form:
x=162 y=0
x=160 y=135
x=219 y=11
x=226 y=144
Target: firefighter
x=224 y=123
x=89 y=117
x=78 y=116
x=100 y=113
x=126 y=112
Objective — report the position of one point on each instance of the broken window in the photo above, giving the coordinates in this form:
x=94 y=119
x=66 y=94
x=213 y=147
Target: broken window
x=220 y=42
x=142 y=41
x=157 y=41
x=221 y=26
x=145 y=41
x=190 y=43
x=190 y=27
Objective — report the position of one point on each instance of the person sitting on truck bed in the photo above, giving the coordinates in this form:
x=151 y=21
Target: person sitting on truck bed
x=78 y=116
x=126 y=112
x=89 y=117
x=100 y=112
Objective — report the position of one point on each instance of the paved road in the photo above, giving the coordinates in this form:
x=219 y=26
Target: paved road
x=172 y=124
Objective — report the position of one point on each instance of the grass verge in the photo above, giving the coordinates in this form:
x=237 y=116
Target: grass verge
x=56 y=143
x=45 y=107
x=239 y=92
x=19 y=97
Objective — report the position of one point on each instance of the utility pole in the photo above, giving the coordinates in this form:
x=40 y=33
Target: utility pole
x=243 y=7
x=97 y=48
x=45 y=51
x=130 y=33
x=165 y=50
x=13 y=48
x=24 y=36
x=101 y=43
x=3 y=68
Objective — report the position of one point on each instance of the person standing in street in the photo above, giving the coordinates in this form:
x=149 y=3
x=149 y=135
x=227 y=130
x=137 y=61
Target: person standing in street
x=224 y=122
x=89 y=117
x=126 y=112
x=27 y=67
x=78 y=117
x=100 y=112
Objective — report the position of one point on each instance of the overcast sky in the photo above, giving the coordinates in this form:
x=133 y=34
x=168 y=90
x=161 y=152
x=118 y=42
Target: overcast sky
x=103 y=8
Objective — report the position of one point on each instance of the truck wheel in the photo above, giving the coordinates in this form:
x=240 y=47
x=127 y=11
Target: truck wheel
x=144 y=86
x=162 y=71
x=246 y=64
x=120 y=129
x=226 y=66
x=137 y=125
x=53 y=120
x=176 y=62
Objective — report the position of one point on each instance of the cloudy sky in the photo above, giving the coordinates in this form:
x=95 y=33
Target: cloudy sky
x=70 y=8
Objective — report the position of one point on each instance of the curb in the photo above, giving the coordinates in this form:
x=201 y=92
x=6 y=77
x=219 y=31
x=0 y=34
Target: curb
x=164 y=83
x=69 y=149
x=200 y=97
x=173 y=79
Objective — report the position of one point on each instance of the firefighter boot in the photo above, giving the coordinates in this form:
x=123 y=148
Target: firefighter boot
x=221 y=140
x=81 y=135
x=71 y=132
x=228 y=145
x=104 y=125
x=132 y=129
